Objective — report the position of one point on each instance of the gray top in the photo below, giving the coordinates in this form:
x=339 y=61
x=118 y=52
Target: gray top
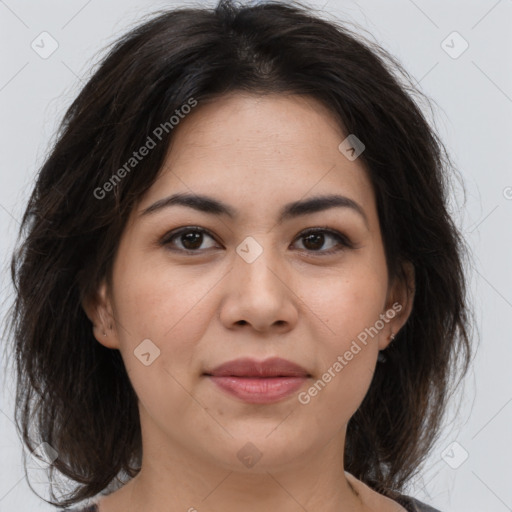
x=410 y=504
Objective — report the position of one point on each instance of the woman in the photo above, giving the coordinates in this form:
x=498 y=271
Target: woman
x=240 y=285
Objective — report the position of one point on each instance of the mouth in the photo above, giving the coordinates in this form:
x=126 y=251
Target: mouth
x=258 y=382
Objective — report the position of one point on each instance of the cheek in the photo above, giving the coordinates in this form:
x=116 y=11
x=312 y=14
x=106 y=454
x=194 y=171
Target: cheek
x=160 y=303
x=347 y=359
x=348 y=310
x=347 y=304
x=338 y=395
x=167 y=310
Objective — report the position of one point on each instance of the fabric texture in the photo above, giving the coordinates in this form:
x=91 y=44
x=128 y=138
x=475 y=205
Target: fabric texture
x=413 y=505
x=410 y=504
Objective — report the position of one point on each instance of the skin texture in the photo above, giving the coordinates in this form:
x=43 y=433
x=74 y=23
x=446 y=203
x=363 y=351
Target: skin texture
x=255 y=153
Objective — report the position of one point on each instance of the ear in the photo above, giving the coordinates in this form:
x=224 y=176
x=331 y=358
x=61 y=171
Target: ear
x=399 y=303
x=98 y=309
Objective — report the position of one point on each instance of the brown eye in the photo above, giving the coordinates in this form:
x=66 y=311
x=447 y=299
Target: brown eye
x=187 y=239
x=315 y=239
x=191 y=240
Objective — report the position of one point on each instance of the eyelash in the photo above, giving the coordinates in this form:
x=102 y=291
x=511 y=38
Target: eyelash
x=342 y=240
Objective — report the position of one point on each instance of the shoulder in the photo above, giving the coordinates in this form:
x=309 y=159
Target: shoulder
x=90 y=508
x=388 y=499
x=412 y=504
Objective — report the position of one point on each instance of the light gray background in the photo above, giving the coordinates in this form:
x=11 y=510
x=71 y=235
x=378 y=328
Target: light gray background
x=473 y=94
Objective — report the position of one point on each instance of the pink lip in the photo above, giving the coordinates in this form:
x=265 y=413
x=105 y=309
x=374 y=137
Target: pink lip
x=259 y=382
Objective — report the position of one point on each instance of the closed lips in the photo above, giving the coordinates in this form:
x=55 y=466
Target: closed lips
x=251 y=368
x=259 y=382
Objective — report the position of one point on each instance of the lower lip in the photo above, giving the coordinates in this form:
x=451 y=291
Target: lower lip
x=259 y=390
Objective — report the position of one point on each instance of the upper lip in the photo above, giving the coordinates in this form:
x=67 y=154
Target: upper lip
x=247 y=367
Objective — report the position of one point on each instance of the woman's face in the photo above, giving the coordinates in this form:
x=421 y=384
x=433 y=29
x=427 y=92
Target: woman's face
x=252 y=284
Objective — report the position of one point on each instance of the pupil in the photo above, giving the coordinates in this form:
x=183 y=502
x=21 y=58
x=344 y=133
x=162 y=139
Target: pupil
x=193 y=238
x=319 y=237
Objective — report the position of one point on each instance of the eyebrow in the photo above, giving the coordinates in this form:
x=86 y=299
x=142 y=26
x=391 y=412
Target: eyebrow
x=291 y=210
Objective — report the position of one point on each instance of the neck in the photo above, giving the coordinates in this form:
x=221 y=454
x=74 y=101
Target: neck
x=177 y=479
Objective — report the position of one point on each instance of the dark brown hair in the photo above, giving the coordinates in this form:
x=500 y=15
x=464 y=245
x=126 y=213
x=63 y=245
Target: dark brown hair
x=72 y=392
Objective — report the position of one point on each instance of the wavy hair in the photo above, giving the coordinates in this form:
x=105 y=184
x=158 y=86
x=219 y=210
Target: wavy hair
x=72 y=392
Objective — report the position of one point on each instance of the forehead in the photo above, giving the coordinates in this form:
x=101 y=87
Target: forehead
x=261 y=151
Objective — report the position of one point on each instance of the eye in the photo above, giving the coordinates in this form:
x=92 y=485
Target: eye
x=189 y=239
x=315 y=238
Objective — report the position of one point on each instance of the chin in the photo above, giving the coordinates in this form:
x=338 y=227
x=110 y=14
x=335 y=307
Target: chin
x=259 y=452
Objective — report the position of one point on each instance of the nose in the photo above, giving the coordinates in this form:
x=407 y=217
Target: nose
x=260 y=294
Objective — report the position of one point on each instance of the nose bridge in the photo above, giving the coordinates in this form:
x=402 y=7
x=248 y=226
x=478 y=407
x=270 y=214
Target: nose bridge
x=258 y=294
x=257 y=265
